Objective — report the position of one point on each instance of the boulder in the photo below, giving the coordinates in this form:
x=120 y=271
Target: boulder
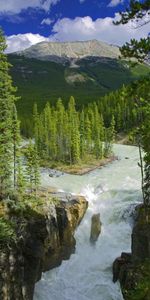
x=95 y=228
x=120 y=265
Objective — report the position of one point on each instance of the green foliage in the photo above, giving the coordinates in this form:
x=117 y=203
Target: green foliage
x=11 y=174
x=145 y=139
x=109 y=138
x=68 y=135
x=140 y=49
x=141 y=289
x=42 y=81
x=32 y=167
x=137 y=11
x=76 y=134
x=7 y=100
x=7 y=231
x=16 y=138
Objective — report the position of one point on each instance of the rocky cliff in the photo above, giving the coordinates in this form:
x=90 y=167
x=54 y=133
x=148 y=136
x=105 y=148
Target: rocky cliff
x=65 y=52
x=133 y=269
x=44 y=239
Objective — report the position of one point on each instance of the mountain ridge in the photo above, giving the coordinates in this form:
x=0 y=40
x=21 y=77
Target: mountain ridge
x=64 y=52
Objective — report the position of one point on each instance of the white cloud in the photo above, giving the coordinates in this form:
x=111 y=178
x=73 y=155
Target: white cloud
x=15 y=6
x=81 y=29
x=113 y=3
x=47 y=21
x=22 y=41
x=101 y=29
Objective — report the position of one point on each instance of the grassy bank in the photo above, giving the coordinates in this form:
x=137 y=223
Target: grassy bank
x=85 y=166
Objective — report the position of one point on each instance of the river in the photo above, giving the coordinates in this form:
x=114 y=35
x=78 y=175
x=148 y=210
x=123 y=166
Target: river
x=113 y=191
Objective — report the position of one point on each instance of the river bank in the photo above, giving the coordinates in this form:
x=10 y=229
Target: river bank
x=84 y=167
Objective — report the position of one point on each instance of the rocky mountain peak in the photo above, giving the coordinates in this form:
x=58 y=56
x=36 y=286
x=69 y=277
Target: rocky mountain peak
x=66 y=51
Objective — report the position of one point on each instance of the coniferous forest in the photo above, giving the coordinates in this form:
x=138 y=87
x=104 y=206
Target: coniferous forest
x=68 y=135
x=60 y=133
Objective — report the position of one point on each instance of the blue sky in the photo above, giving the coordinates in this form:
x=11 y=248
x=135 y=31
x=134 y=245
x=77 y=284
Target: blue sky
x=26 y=22
x=16 y=21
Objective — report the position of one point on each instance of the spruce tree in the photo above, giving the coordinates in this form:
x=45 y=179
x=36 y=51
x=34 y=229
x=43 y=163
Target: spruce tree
x=88 y=134
x=82 y=134
x=60 y=129
x=32 y=167
x=21 y=180
x=16 y=138
x=74 y=132
x=36 y=124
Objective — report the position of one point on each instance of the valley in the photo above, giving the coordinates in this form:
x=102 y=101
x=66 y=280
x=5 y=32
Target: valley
x=88 y=77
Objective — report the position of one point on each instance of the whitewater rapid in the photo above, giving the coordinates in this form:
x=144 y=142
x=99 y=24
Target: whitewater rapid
x=113 y=191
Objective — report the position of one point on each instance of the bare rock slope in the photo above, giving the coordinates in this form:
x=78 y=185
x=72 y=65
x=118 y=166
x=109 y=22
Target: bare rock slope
x=63 y=52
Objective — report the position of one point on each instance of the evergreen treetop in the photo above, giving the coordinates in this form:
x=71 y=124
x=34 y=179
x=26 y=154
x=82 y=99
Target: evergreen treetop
x=139 y=13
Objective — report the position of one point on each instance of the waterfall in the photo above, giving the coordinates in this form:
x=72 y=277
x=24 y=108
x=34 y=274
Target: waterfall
x=112 y=191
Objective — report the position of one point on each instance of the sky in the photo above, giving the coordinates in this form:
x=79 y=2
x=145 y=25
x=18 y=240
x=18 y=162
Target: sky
x=27 y=22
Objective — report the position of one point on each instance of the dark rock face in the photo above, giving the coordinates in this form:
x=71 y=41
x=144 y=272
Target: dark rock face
x=43 y=242
x=141 y=242
x=130 y=268
x=119 y=267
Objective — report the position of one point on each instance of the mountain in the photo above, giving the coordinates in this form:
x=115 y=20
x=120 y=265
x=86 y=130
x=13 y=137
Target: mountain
x=65 y=52
x=86 y=70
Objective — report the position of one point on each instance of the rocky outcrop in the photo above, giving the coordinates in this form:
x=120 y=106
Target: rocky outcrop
x=95 y=228
x=44 y=239
x=141 y=241
x=133 y=269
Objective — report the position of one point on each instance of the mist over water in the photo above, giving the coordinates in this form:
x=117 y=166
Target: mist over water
x=112 y=191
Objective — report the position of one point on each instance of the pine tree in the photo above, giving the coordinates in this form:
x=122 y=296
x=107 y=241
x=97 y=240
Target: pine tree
x=112 y=129
x=109 y=138
x=36 y=124
x=82 y=134
x=53 y=137
x=75 y=141
x=96 y=134
x=88 y=134
x=139 y=12
x=32 y=167
x=21 y=180
x=60 y=129
x=74 y=132
x=66 y=137
x=7 y=99
x=16 y=138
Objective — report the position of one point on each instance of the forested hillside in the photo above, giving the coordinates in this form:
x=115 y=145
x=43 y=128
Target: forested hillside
x=124 y=104
x=88 y=80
